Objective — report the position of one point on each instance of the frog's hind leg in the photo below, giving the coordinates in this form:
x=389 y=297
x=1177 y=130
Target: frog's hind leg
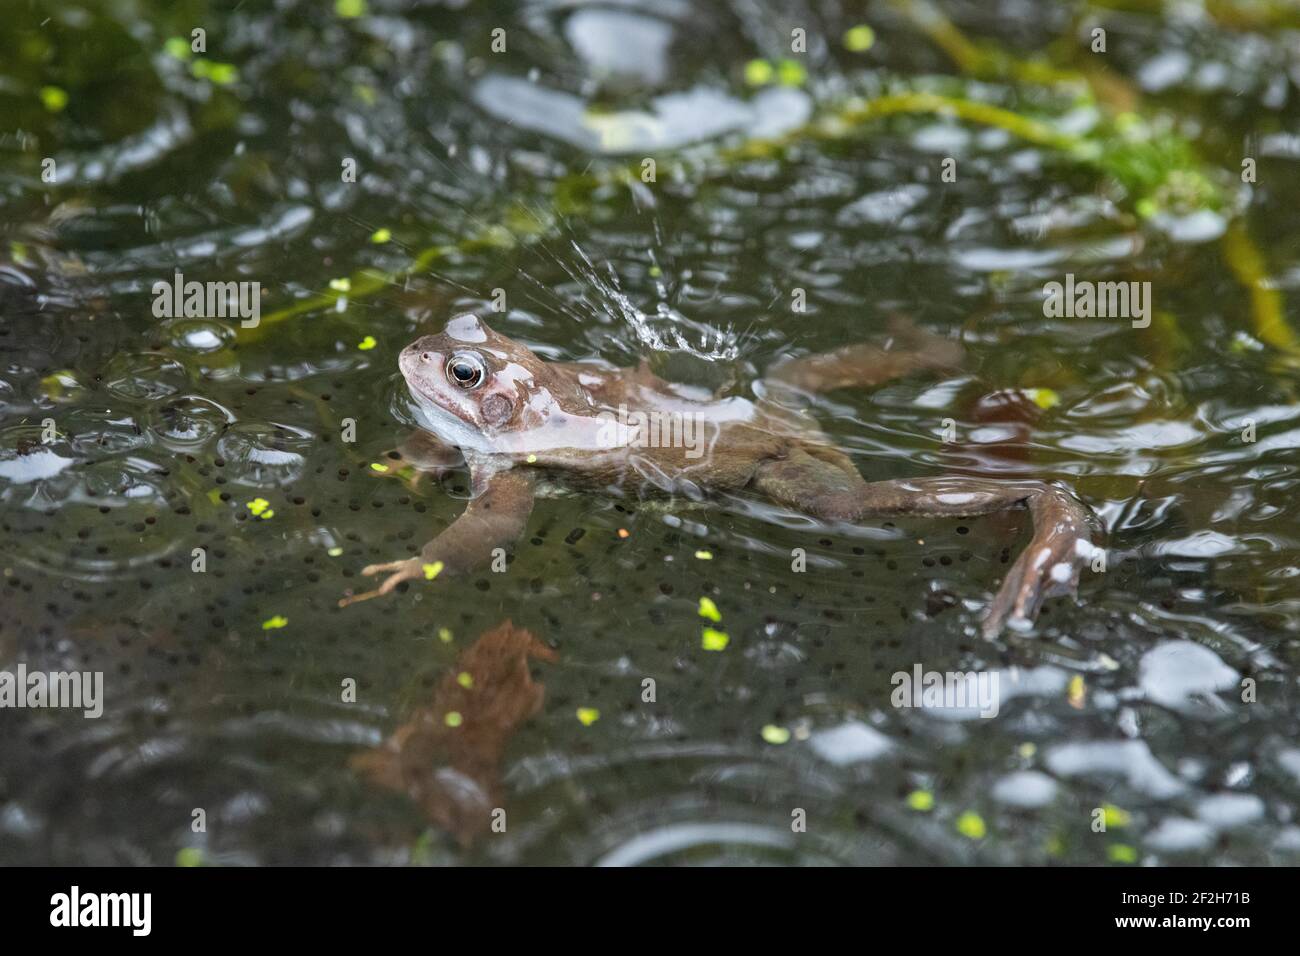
x=866 y=366
x=1048 y=566
x=818 y=480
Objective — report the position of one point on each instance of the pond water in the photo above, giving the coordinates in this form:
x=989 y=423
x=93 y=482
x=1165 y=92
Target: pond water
x=779 y=218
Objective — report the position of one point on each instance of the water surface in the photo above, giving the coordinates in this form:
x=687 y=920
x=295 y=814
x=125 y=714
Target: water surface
x=502 y=175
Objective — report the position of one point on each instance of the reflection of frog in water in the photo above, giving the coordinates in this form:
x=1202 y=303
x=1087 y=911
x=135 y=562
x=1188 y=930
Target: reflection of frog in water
x=447 y=756
x=515 y=418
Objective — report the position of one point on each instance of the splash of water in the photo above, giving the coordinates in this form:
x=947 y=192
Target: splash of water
x=667 y=330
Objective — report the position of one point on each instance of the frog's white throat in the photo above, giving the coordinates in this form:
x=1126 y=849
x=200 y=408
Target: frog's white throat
x=448 y=427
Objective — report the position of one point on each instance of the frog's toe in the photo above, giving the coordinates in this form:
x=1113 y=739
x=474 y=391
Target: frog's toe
x=409 y=567
x=1039 y=573
x=398 y=571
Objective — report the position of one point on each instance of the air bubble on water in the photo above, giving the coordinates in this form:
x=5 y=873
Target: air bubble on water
x=262 y=454
x=188 y=422
x=198 y=336
x=143 y=376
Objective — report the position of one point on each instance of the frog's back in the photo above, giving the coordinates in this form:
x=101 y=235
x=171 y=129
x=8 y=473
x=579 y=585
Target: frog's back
x=680 y=439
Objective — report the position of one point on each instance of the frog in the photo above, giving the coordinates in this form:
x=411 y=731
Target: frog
x=519 y=424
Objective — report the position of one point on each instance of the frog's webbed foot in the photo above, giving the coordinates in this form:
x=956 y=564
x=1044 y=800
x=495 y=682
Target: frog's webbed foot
x=398 y=571
x=1048 y=567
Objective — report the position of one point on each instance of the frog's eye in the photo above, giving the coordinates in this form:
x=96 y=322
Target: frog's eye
x=465 y=369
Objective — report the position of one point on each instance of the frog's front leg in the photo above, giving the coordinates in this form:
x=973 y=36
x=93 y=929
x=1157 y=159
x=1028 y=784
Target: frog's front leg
x=495 y=518
x=1048 y=566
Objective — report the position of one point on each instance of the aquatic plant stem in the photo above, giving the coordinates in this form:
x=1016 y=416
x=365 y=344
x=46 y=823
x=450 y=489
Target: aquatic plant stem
x=1242 y=255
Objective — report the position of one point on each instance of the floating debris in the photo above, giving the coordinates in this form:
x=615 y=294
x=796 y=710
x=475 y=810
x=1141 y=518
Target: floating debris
x=1115 y=817
x=922 y=801
x=775 y=735
x=1121 y=853
x=1044 y=398
x=971 y=825
x=189 y=856
x=759 y=73
x=220 y=74
x=447 y=757
x=1077 y=692
x=261 y=508
x=791 y=73
x=714 y=640
x=859 y=39
x=710 y=610
x=177 y=47
x=54 y=98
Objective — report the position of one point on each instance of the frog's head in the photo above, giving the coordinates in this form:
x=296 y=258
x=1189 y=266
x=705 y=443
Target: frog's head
x=471 y=384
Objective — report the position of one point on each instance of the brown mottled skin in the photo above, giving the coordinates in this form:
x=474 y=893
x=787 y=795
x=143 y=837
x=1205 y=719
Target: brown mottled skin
x=516 y=418
x=454 y=772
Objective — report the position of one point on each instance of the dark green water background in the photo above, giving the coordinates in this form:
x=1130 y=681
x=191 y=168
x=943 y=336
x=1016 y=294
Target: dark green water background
x=168 y=429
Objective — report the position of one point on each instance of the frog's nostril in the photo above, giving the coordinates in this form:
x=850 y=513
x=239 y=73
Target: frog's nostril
x=426 y=357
